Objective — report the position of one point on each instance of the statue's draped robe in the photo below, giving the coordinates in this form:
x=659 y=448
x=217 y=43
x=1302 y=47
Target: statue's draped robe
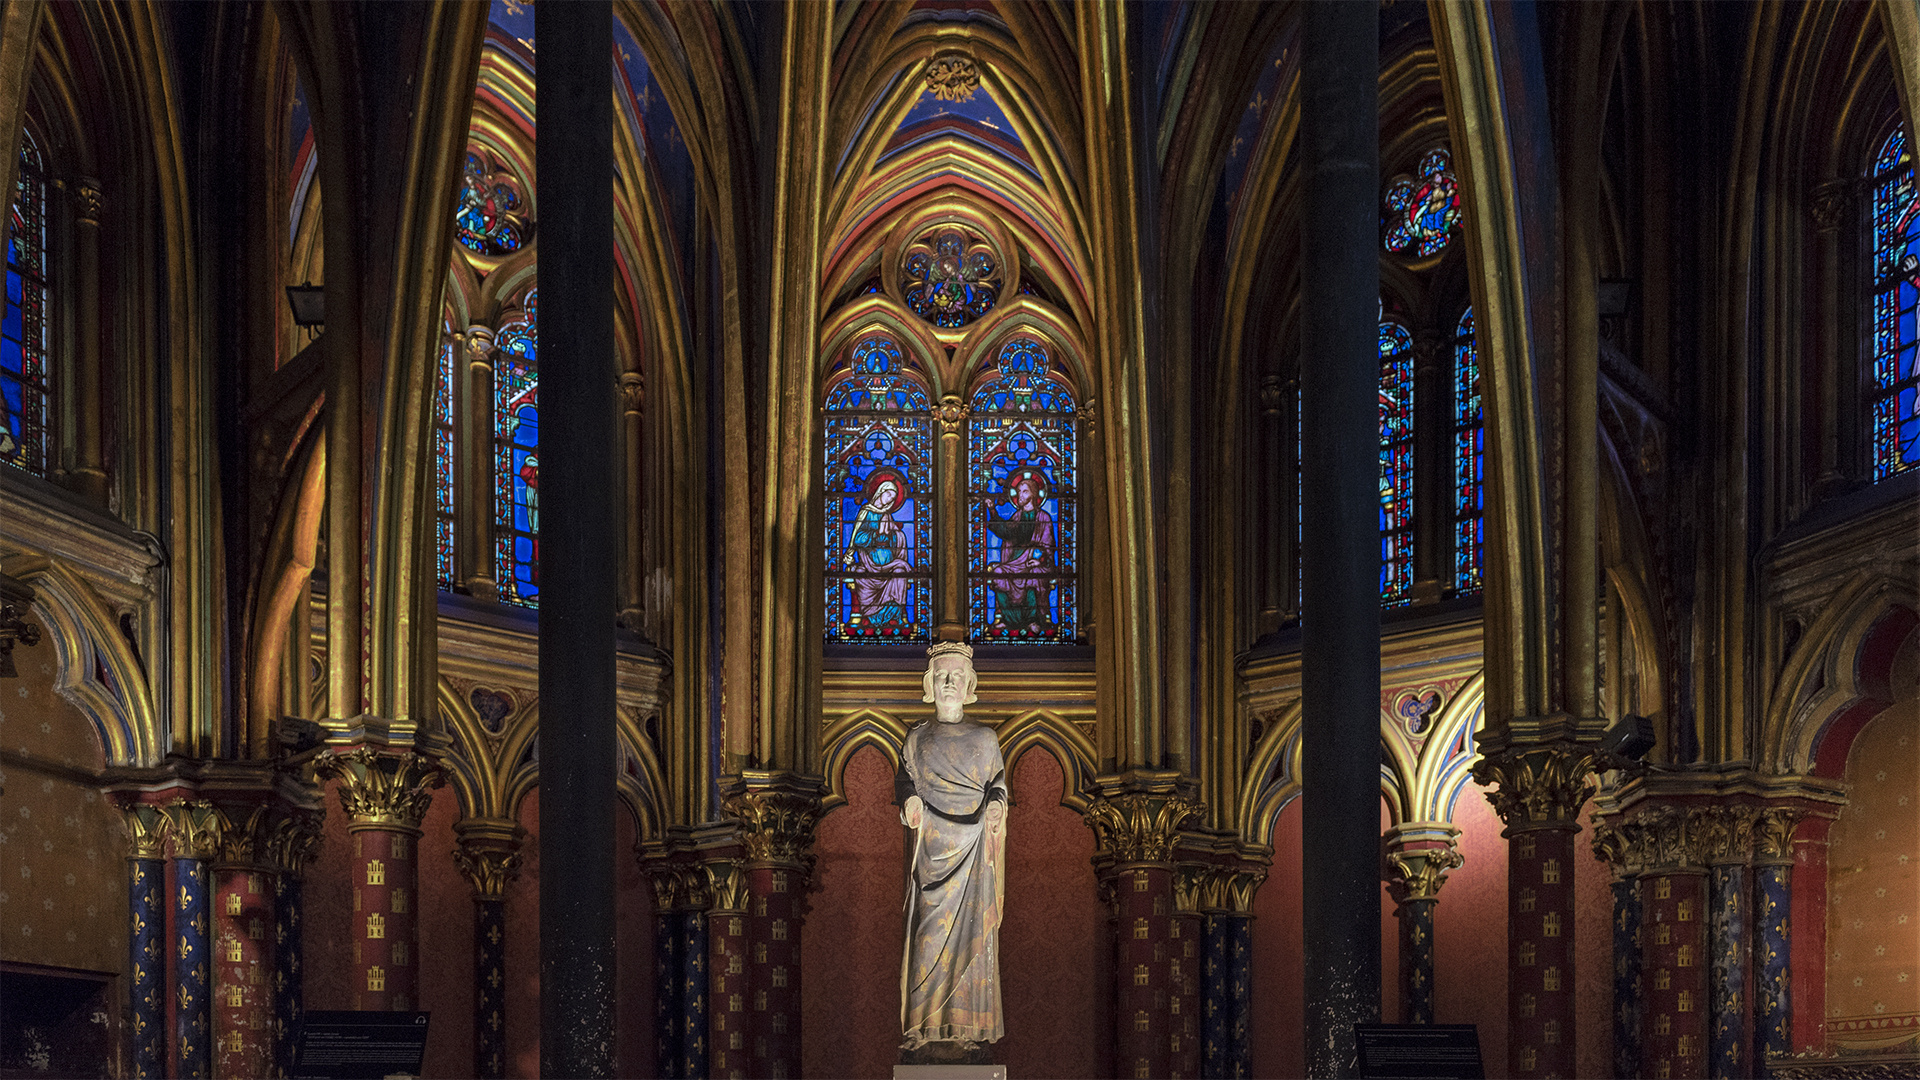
x=950 y=973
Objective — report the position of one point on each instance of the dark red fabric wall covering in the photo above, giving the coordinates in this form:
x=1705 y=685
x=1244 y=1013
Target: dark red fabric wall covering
x=1470 y=934
x=850 y=947
x=446 y=943
x=1057 y=957
x=1279 y=1004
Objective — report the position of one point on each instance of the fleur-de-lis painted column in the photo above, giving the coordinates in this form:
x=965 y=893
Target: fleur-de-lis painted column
x=488 y=852
x=1623 y=848
x=147 y=937
x=243 y=944
x=385 y=794
x=1226 y=1008
x=1727 y=842
x=193 y=828
x=776 y=814
x=729 y=983
x=1419 y=856
x=1772 y=915
x=681 y=990
x=294 y=842
x=1543 y=784
x=1136 y=822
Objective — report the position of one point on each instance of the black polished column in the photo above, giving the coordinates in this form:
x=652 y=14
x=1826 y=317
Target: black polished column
x=1340 y=548
x=581 y=556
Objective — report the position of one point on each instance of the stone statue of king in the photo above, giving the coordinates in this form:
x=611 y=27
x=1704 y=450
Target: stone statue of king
x=953 y=783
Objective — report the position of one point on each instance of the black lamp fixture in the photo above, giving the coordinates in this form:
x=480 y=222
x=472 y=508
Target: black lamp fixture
x=309 y=304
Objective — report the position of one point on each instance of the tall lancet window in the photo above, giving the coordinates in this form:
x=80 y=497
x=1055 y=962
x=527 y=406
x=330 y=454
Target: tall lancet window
x=25 y=390
x=516 y=439
x=1396 y=463
x=1023 y=499
x=443 y=456
x=1893 y=411
x=1469 y=463
x=879 y=483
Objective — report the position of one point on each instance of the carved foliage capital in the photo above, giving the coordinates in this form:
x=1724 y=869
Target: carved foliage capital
x=488 y=865
x=633 y=392
x=383 y=790
x=1225 y=888
x=294 y=841
x=146 y=831
x=1726 y=833
x=1539 y=785
x=952 y=414
x=88 y=201
x=1829 y=204
x=1138 y=827
x=1273 y=391
x=195 y=828
x=776 y=825
x=1773 y=834
x=1418 y=873
x=726 y=884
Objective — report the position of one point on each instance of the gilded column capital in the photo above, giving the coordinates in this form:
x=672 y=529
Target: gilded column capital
x=1273 y=395
x=1725 y=832
x=487 y=850
x=1623 y=845
x=1829 y=203
x=382 y=790
x=478 y=345
x=244 y=842
x=195 y=828
x=1542 y=785
x=294 y=842
x=776 y=814
x=1773 y=835
x=16 y=600
x=147 y=826
x=1418 y=873
x=1229 y=889
x=633 y=392
x=1138 y=826
x=952 y=414
x=1089 y=418
x=726 y=884
x=88 y=201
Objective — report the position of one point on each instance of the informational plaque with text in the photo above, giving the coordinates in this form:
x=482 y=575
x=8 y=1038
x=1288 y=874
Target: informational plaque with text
x=360 y=1045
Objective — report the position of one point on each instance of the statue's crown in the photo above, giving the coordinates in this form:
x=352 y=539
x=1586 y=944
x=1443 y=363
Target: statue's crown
x=950 y=648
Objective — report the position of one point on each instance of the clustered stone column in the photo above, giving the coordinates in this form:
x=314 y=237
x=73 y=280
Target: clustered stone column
x=488 y=852
x=1419 y=856
x=776 y=812
x=385 y=794
x=474 y=462
x=1685 y=919
x=1136 y=822
x=1543 y=784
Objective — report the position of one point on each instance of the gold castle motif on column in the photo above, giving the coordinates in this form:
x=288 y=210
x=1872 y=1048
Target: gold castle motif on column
x=382 y=790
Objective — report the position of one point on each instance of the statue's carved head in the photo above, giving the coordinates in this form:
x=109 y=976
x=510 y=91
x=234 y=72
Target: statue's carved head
x=950 y=680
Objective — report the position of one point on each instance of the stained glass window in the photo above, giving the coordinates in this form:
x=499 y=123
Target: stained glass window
x=1469 y=463
x=490 y=219
x=1023 y=500
x=879 y=481
x=1422 y=212
x=24 y=387
x=1891 y=402
x=516 y=436
x=443 y=456
x=1396 y=463
x=950 y=277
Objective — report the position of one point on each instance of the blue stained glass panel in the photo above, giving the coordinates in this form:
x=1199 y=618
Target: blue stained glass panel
x=1422 y=213
x=879 y=479
x=443 y=460
x=1895 y=423
x=1469 y=463
x=1023 y=501
x=25 y=386
x=1396 y=464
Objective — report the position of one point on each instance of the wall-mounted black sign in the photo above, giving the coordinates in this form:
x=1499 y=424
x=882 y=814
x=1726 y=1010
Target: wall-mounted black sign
x=1406 y=1051
x=360 y=1045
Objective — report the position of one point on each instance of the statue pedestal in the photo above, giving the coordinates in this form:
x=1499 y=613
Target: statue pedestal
x=949 y=1072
